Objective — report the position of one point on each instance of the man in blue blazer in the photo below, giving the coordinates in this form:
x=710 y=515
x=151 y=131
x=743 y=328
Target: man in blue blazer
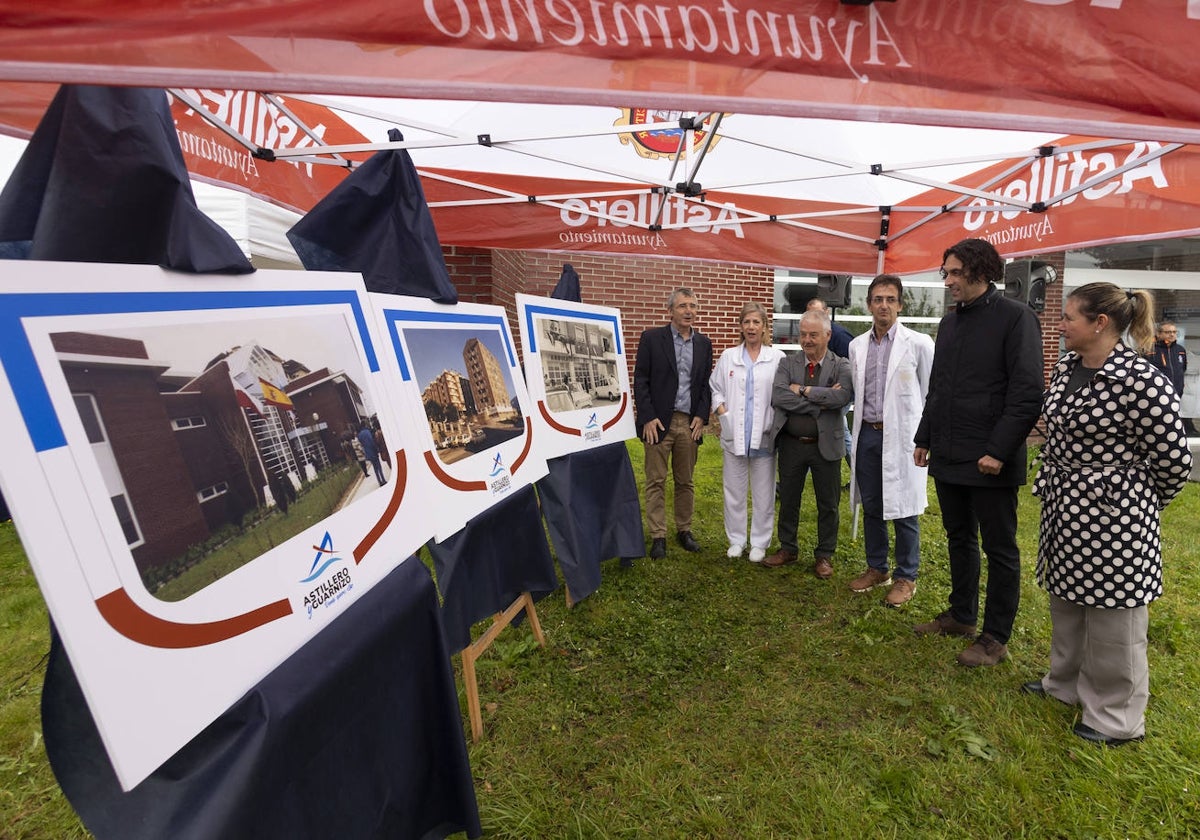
x=672 y=404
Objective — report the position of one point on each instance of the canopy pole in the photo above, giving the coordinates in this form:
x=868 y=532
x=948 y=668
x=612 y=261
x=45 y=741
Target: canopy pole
x=885 y=224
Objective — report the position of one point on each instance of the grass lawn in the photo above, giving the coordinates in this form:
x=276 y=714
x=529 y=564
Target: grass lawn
x=698 y=696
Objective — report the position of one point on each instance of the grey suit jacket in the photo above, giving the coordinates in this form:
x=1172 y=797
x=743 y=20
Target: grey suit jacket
x=823 y=401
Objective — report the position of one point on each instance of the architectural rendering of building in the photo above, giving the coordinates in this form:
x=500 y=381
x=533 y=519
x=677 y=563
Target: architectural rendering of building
x=486 y=376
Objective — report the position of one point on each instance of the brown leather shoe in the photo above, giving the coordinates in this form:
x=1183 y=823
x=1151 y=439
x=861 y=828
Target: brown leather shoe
x=985 y=651
x=780 y=558
x=869 y=579
x=901 y=592
x=945 y=625
x=823 y=568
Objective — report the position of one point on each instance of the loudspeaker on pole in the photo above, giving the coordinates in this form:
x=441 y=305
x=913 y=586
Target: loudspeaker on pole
x=834 y=289
x=1026 y=281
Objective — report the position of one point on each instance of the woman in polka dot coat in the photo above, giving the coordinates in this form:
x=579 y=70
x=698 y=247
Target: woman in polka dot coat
x=1115 y=455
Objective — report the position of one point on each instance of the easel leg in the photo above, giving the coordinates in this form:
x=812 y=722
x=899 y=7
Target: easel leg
x=534 y=624
x=471 y=683
x=473 y=651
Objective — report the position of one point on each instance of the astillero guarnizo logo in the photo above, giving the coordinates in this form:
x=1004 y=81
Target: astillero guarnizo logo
x=497 y=466
x=331 y=588
x=326 y=557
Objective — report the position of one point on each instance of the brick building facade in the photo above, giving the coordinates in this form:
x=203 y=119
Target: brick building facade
x=639 y=287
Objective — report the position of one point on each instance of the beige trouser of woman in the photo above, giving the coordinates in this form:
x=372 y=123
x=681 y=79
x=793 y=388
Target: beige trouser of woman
x=1098 y=661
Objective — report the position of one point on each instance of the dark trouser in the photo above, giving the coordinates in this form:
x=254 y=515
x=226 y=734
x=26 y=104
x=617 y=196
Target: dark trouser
x=378 y=471
x=869 y=476
x=972 y=515
x=796 y=459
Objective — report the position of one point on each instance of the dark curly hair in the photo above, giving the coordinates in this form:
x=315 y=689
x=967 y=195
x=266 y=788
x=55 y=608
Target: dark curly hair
x=980 y=260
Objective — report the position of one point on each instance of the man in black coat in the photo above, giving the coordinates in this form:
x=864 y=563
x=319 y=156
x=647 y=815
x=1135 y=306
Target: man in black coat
x=672 y=403
x=985 y=394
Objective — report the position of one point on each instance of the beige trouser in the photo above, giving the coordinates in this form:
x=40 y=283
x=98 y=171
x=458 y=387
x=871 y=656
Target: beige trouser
x=675 y=445
x=1098 y=660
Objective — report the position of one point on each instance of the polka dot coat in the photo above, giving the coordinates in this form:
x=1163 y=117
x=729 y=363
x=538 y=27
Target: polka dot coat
x=1115 y=454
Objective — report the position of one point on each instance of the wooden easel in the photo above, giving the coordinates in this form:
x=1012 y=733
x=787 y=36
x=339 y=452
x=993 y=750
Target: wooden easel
x=476 y=649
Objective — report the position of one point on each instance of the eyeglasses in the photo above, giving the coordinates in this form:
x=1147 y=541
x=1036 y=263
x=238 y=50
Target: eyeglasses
x=878 y=299
x=954 y=272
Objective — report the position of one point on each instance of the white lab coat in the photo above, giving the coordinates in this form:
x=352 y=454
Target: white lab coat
x=728 y=384
x=905 y=484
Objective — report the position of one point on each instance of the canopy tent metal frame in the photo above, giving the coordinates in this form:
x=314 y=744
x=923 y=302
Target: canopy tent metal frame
x=507 y=141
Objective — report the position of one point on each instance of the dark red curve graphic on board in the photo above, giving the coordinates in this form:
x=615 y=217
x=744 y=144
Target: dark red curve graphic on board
x=399 y=481
x=450 y=481
x=528 y=443
x=620 y=412
x=554 y=424
x=137 y=625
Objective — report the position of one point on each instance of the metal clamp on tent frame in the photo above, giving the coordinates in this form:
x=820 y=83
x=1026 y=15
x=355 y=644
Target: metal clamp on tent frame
x=472 y=652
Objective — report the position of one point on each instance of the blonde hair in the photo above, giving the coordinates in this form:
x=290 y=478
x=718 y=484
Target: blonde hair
x=1130 y=312
x=755 y=306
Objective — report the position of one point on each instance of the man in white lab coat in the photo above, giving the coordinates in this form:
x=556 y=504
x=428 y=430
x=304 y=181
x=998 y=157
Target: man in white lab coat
x=890 y=365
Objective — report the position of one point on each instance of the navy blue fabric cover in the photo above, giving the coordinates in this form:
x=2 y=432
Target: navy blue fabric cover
x=590 y=498
x=103 y=180
x=376 y=222
x=567 y=287
x=590 y=503
x=483 y=568
x=357 y=735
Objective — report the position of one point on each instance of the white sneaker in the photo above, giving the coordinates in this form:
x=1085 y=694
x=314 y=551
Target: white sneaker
x=757 y=555
x=734 y=551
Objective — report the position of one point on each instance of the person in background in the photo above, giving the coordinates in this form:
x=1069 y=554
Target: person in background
x=1115 y=455
x=839 y=336
x=985 y=392
x=890 y=365
x=381 y=445
x=672 y=403
x=741 y=397
x=356 y=449
x=1169 y=356
x=809 y=392
x=370 y=451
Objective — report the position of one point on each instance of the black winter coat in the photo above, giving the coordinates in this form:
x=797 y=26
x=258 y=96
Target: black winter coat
x=985 y=391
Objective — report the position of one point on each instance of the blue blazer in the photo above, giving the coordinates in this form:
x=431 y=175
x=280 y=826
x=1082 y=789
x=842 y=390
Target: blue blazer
x=656 y=377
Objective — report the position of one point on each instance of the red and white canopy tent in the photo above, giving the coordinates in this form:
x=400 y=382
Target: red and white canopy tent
x=754 y=180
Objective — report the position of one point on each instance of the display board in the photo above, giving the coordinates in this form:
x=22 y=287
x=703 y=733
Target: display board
x=456 y=368
x=182 y=471
x=576 y=374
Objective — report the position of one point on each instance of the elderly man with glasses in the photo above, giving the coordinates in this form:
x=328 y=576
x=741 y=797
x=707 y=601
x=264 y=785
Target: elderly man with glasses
x=985 y=394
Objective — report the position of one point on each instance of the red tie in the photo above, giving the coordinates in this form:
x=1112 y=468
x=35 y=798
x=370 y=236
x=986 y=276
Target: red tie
x=811 y=368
